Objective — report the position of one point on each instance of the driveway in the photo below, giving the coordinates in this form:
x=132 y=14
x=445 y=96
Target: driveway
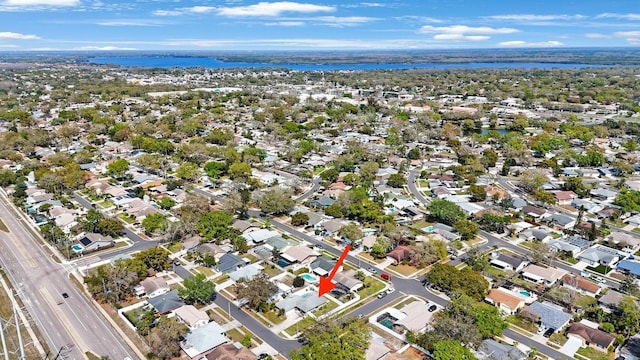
x=571 y=346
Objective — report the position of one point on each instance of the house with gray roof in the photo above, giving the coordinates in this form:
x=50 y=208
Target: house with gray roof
x=305 y=302
x=247 y=272
x=563 y=221
x=259 y=236
x=200 y=342
x=508 y=262
x=322 y=265
x=166 y=302
x=490 y=349
x=600 y=255
x=229 y=262
x=610 y=301
x=549 y=315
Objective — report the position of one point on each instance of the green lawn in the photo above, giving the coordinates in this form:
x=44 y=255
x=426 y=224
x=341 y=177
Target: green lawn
x=221 y=279
x=594 y=354
x=105 y=204
x=271 y=271
x=251 y=257
x=325 y=308
x=174 y=247
x=601 y=269
x=205 y=270
x=234 y=334
x=300 y=325
x=521 y=323
x=372 y=287
x=126 y=218
x=273 y=317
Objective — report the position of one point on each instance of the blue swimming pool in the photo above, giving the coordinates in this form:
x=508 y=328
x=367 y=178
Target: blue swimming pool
x=525 y=293
x=309 y=278
x=77 y=248
x=283 y=263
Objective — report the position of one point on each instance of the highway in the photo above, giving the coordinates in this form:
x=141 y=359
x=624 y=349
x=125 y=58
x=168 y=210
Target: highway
x=41 y=281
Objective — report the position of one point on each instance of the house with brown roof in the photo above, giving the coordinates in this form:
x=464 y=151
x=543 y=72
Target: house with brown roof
x=154 y=286
x=299 y=255
x=594 y=338
x=233 y=351
x=507 y=303
x=565 y=197
x=580 y=284
x=542 y=275
x=400 y=253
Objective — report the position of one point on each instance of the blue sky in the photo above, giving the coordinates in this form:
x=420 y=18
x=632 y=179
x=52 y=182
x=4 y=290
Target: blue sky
x=313 y=24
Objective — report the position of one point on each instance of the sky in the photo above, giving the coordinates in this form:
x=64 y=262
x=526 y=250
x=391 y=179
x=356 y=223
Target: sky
x=316 y=25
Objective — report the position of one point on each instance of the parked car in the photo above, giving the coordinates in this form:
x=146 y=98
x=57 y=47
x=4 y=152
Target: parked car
x=360 y=316
x=432 y=308
x=385 y=276
x=549 y=332
x=372 y=270
x=65 y=295
x=390 y=290
x=382 y=294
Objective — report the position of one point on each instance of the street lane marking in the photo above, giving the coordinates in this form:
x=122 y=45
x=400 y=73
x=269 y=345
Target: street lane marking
x=60 y=314
x=20 y=247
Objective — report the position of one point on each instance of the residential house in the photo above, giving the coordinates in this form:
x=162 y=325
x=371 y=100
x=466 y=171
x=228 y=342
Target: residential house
x=580 y=284
x=534 y=211
x=242 y=225
x=303 y=303
x=503 y=300
x=563 y=221
x=94 y=242
x=247 y=272
x=213 y=249
x=630 y=266
x=368 y=242
x=572 y=245
x=198 y=343
x=611 y=300
x=152 y=287
x=323 y=201
x=166 y=303
x=299 y=255
x=259 y=236
x=594 y=338
x=490 y=349
x=624 y=240
x=600 y=255
x=322 y=265
x=549 y=315
x=417 y=317
x=347 y=281
x=331 y=227
x=542 y=275
x=604 y=194
x=400 y=253
x=191 y=316
x=229 y=262
x=233 y=351
x=508 y=262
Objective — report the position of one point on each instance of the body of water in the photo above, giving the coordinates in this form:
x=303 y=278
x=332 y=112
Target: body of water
x=212 y=63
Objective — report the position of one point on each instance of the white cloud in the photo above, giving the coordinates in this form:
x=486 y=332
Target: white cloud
x=129 y=22
x=463 y=32
x=187 y=10
x=632 y=37
x=461 y=37
x=273 y=9
x=285 y=23
x=16 y=36
x=520 y=43
x=41 y=2
x=629 y=16
x=296 y=43
x=535 y=17
x=103 y=48
x=9 y=46
x=201 y=9
x=596 y=36
x=341 y=21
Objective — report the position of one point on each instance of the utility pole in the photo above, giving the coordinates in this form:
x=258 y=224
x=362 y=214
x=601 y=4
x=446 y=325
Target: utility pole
x=4 y=342
x=15 y=315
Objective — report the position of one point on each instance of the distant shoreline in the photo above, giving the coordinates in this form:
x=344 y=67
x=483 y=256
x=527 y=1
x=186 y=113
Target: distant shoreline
x=578 y=57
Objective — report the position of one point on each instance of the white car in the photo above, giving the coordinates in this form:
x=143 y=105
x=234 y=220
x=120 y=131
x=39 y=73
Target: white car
x=390 y=290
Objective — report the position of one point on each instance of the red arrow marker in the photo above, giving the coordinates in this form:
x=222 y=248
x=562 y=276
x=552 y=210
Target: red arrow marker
x=326 y=284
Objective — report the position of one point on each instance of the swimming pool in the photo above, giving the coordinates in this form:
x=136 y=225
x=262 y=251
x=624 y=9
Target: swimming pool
x=387 y=323
x=308 y=277
x=283 y=263
x=525 y=293
x=77 y=248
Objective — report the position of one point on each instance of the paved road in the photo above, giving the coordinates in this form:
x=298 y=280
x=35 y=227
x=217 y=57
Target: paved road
x=42 y=281
x=310 y=192
x=139 y=243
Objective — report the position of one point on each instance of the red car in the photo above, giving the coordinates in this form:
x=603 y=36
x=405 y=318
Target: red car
x=385 y=276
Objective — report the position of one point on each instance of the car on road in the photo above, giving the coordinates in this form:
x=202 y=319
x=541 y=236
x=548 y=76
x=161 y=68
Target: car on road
x=390 y=290
x=360 y=316
x=432 y=308
x=372 y=270
x=385 y=276
x=382 y=294
x=65 y=295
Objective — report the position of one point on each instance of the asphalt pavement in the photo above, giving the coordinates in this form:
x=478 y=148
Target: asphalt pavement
x=41 y=281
